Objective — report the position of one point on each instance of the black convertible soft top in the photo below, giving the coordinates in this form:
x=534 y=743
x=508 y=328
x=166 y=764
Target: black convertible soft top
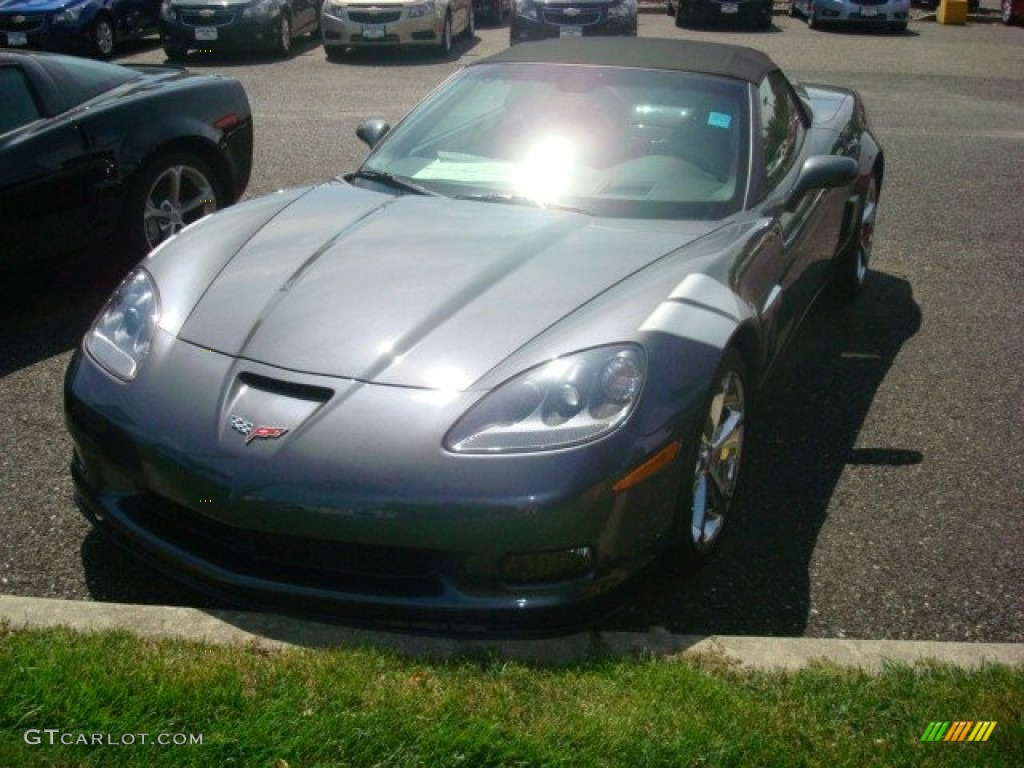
x=734 y=61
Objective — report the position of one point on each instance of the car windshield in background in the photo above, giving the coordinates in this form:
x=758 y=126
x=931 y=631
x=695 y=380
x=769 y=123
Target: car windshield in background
x=614 y=142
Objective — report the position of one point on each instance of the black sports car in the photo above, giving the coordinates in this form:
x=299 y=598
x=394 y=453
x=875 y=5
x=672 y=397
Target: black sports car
x=500 y=368
x=90 y=149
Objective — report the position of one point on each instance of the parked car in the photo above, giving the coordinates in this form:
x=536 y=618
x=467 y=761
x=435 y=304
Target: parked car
x=382 y=23
x=753 y=13
x=90 y=149
x=1012 y=11
x=76 y=26
x=493 y=11
x=889 y=14
x=247 y=25
x=541 y=19
x=499 y=370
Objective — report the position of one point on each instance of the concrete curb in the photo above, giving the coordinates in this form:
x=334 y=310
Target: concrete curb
x=272 y=632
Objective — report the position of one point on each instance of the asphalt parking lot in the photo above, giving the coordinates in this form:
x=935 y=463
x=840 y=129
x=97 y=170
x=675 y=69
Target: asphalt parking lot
x=884 y=495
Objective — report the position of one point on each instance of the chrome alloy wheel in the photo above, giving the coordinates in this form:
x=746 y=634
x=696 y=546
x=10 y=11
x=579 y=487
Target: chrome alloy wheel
x=719 y=454
x=865 y=232
x=178 y=196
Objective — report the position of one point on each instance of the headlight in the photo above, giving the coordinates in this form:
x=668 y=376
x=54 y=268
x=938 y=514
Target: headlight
x=335 y=9
x=260 y=8
x=167 y=10
x=120 y=338
x=422 y=9
x=623 y=10
x=526 y=8
x=565 y=402
x=69 y=15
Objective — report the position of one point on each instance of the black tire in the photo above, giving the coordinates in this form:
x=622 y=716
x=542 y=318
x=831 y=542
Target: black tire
x=712 y=465
x=334 y=53
x=681 y=18
x=763 y=18
x=898 y=27
x=103 y=36
x=792 y=11
x=283 y=37
x=670 y=9
x=158 y=208
x=470 y=31
x=173 y=53
x=447 y=44
x=852 y=268
x=1006 y=12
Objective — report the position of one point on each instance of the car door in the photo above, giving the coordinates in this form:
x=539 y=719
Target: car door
x=783 y=134
x=47 y=178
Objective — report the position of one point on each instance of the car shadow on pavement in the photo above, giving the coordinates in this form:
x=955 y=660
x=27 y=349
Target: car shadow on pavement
x=801 y=437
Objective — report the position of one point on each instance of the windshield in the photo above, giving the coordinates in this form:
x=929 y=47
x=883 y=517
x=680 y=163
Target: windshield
x=611 y=141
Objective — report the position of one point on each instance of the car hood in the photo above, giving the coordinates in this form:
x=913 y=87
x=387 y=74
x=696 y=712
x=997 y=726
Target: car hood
x=33 y=6
x=412 y=290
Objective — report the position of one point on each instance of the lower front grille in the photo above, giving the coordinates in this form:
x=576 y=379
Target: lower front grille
x=300 y=561
x=368 y=17
x=560 y=17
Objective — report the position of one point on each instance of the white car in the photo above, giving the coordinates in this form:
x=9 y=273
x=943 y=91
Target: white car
x=888 y=14
x=366 y=24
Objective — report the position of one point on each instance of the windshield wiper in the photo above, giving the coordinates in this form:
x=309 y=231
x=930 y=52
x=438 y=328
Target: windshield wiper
x=399 y=182
x=523 y=200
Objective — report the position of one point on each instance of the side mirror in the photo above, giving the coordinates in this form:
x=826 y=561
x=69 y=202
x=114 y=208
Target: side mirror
x=821 y=172
x=371 y=131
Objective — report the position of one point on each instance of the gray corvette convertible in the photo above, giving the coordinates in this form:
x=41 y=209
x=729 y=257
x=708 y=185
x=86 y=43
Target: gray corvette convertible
x=502 y=368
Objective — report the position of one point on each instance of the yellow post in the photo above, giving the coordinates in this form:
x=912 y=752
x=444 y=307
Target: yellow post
x=952 y=12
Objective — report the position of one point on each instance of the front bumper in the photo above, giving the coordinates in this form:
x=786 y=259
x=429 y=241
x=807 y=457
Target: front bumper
x=359 y=29
x=340 y=519
x=883 y=14
x=238 y=34
x=745 y=11
x=37 y=33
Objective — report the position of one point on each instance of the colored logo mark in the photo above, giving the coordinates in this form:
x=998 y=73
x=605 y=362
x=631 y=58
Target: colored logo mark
x=961 y=730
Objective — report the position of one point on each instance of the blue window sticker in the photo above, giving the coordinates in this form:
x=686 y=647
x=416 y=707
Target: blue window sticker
x=719 y=119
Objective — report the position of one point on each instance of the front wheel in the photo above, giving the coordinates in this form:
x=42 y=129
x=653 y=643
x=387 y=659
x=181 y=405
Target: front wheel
x=102 y=37
x=175 y=53
x=713 y=472
x=283 y=38
x=446 y=46
x=812 y=21
x=167 y=194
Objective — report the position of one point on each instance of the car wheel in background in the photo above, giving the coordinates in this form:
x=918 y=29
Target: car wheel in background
x=168 y=193
x=812 y=21
x=470 y=31
x=283 y=38
x=1006 y=11
x=712 y=476
x=446 y=45
x=853 y=263
x=174 y=53
x=102 y=37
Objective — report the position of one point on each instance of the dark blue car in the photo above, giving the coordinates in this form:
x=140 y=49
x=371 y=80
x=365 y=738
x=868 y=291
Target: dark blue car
x=89 y=26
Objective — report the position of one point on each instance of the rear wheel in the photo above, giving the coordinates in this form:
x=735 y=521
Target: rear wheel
x=167 y=194
x=853 y=264
x=102 y=37
x=713 y=473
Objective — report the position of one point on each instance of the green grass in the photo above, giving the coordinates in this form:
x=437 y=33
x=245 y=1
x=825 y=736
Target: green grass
x=372 y=708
